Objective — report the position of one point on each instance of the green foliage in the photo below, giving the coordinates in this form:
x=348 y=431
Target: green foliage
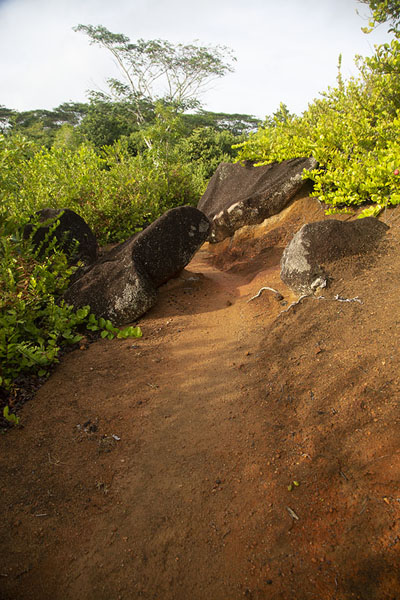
x=281 y=115
x=68 y=136
x=105 y=122
x=6 y=118
x=236 y=124
x=41 y=126
x=15 y=153
x=353 y=133
x=207 y=147
x=107 y=328
x=10 y=417
x=116 y=193
x=35 y=323
x=102 y=122
x=30 y=320
x=383 y=11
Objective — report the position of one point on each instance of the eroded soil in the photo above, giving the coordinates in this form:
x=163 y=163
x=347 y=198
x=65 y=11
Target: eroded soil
x=240 y=449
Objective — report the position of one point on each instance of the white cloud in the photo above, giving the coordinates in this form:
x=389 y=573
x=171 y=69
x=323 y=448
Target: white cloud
x=286 y=51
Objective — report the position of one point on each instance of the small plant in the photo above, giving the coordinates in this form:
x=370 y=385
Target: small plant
x=10 y=417
x=293 y=485
x=108 y=330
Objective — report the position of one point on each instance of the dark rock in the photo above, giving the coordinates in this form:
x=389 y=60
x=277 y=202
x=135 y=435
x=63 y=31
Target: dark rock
x=114 y=289
x=73 y=235
x=318 y=244
x=166 y=246
x=122 y=285
x=239 y=195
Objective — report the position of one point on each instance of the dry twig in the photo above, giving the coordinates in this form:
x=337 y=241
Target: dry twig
x=292 y=513
x=260 y=291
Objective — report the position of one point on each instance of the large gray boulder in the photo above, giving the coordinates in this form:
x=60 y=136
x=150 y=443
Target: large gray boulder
x=72 y=235
x=122 y=285
x=242 y=194
x=315 y=245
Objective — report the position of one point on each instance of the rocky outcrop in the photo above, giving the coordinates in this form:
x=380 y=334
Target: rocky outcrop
x=73 y=235
x=239 y=195
x=315 y=245
x=122 y=285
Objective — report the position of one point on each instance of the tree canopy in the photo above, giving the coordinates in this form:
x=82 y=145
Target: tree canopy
x=155 y=70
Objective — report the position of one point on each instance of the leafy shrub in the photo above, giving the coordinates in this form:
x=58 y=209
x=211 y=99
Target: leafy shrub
x=34 y=322
x=353 y=133
x=116 y=193
x=206 y=148
x=15 y=152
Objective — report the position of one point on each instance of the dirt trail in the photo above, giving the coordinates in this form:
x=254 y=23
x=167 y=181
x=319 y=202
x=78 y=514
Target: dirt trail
x=158 y=512
x=164 y=468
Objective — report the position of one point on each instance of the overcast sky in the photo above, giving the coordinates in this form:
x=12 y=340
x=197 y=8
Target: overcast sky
x=286 y=50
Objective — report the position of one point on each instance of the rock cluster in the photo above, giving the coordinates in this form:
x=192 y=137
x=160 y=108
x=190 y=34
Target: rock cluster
x=122 y=284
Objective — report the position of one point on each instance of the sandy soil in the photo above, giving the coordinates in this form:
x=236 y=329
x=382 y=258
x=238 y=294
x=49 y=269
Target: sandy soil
x=241 y=449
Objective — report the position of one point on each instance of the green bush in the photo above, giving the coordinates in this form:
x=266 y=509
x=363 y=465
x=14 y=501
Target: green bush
x=34 y=322
x=353 y=133
x=206 y=147
x=116 y=193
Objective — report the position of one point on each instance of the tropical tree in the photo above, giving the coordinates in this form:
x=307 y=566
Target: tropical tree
x=42 y=125
x=106 y=121
x=237 y=124
x=159 y=71
x=206 y=147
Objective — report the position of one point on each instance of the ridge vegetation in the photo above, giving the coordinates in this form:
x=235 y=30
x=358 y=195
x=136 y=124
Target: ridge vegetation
x=352 y=130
